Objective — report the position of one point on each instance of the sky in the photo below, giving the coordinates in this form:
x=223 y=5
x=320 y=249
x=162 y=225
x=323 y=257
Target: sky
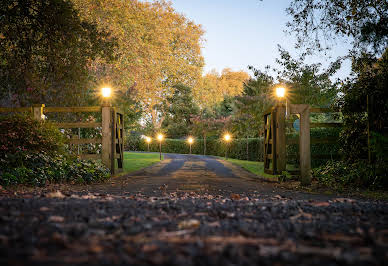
x=239 y=33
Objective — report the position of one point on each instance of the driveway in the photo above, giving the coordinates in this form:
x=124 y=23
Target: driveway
x=198 y=174
x=188 y=210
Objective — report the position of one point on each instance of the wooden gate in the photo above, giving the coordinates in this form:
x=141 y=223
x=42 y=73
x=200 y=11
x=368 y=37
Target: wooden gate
x=275 y=140
x=117 y=140
x=269 y=142
x=112 y=135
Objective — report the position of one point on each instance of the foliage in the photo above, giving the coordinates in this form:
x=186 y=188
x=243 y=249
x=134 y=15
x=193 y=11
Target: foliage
x=317 y=21
x=307 y=83
x=321 y=152
x=236 y=149
x=341 y=174
x=44 y=52
x=214 y=87
x=365 y=100
x=40 y=168
x=250 y=106
x=179 y=112
x=20 y=133
x=157 y=49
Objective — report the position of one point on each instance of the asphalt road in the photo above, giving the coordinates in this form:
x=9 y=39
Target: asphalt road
x=196 y=173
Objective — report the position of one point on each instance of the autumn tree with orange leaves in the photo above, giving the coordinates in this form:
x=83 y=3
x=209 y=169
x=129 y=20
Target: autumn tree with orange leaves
x=157 y=49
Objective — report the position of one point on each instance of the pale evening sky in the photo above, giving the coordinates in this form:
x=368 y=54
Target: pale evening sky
x=244 y=32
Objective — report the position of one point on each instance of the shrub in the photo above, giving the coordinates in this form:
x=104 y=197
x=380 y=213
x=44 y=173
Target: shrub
x=41 y=168
x=341 y=174
x=20 y=133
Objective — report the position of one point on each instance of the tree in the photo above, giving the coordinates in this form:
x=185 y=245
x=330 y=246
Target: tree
x=364 y=104
x=44 y=52
x=206 y=124
x=157 y=49
x=218 y=86
x=307 y=83
x=317 y=21
x=179 y=112
x=251 y=105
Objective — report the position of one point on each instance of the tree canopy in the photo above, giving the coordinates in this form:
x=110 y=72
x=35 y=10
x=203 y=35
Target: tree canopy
x=157 y=49
x=217 y=86
x=317 y=21
x=44 y=52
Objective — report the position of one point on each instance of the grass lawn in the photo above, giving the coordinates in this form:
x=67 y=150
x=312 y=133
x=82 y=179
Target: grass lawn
x=134 y=161
x=254 y=167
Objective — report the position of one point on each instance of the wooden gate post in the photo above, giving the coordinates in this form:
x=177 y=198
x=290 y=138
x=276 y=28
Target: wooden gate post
x=106 y=156
x=304 y=146
x=280 y=138
x=38 y=111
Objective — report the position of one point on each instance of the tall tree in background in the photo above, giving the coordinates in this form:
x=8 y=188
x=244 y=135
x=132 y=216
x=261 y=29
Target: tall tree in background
x=157 y=49
x=44 y=52
x=251 y=105
x=179 y=112
x=217 y=86
x=317 y=21
x=307 y=83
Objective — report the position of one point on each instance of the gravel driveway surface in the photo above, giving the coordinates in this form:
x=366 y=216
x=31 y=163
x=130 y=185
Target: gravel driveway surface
x=189 y=210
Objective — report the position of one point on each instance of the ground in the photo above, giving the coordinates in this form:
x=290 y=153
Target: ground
x=189 y=210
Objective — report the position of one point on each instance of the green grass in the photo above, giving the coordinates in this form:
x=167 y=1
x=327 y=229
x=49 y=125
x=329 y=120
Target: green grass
x=134 y=161
x=256 y=168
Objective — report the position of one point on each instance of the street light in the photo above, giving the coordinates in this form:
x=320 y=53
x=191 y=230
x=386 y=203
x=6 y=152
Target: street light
x=190 y=140
x=106 y=93
x=281 y=93
x=148 y=140
x=160 y=138
x=227 y=138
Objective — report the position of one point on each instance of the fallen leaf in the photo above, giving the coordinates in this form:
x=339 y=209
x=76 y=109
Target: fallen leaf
x=150 y=248
x=189 y=224
x=214 y=224
x=95 y=248
x=56 y=194
x=56 y=219
x=44 y=209
x=235 y=196
x=320 y=204
x=343 y=200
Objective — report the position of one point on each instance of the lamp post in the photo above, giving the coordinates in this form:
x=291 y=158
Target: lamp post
x=227 y=139
x=106 y=120
x=106 y=93
x=280 y=93
x=280 y=131
x=190 y=140
x=148 y=140
x=160 y=138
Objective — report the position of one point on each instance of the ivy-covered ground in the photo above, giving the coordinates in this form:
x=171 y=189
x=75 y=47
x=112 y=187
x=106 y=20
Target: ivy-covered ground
x=188 y=211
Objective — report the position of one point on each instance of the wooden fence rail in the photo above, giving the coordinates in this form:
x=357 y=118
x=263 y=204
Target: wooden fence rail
x=112 y=127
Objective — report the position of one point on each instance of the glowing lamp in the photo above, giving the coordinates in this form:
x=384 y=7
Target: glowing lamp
x=280 y=92
x=106 y=92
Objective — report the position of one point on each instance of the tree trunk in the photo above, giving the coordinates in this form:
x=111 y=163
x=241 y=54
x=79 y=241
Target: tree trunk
x=204 y=143
x=247 y=148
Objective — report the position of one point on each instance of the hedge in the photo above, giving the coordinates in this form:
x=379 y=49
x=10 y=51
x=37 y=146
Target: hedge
x=238 y=147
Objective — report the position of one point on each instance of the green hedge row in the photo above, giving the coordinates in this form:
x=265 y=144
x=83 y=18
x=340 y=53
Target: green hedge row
x=236 y=149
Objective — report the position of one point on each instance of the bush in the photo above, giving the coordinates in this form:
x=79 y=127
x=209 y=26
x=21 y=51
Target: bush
x=38 y=169
x=341 y=174
x=32 y=153
x=20 y=133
